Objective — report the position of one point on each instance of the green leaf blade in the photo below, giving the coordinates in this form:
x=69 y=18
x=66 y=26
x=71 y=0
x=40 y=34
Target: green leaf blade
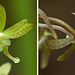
x=2 y=18
x=18 y=29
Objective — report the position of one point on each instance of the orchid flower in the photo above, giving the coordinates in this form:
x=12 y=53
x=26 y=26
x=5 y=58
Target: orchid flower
x=13 y=32
x=49 y=41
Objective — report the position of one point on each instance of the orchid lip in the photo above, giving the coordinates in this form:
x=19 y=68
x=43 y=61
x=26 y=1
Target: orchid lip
x=1 y=35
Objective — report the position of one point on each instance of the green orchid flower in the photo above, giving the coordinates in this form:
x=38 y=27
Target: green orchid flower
x=13 y=32
x=48 y=40
x=5 y=69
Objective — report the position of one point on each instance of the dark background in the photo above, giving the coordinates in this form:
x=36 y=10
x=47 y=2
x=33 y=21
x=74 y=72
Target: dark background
x=59 y=9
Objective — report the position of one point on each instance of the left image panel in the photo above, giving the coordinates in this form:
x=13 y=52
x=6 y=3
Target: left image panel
x=18 y=37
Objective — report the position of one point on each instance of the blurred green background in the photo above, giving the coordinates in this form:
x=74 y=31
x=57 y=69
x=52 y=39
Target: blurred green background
x=24 y=47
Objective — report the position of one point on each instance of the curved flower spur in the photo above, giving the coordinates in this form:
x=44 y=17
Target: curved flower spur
x=13 y=32
x=48 y=40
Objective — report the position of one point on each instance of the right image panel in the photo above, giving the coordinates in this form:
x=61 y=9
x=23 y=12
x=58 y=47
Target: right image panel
x=56 y=37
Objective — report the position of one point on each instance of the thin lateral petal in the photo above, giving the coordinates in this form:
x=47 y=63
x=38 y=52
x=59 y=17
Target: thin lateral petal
x=62 y=24
x=66 y=54
x=58 y=43
x=57 y=28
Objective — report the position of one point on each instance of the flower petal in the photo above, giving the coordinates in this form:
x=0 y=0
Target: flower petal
x=18 y=29
x=1 y=46
x=5 y=69
x=45 y=56
x=5 y=50
x=58 y=43
x=2 y=18
x=5 y=40
x=66 y=54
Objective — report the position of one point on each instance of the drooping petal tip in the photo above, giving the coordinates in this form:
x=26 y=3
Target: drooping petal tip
x=16 y=60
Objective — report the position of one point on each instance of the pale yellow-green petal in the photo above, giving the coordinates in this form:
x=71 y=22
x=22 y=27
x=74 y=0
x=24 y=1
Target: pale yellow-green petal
x=18 y=29
x=2 y=18
x=58 y=43
x=45 y=56
x=5 y=69
x=66 y=54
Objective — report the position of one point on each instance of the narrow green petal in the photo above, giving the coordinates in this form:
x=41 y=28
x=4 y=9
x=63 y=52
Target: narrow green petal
x=5 y=69
x=66 y=54
x=2 y=18
x=45 y=56
x=5 y=51
x=18 y=29
x=58 y=43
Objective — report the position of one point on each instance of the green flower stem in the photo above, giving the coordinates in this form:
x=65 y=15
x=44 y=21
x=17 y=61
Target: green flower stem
x=5 y=51
x=44 y=16
x=62 y=24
